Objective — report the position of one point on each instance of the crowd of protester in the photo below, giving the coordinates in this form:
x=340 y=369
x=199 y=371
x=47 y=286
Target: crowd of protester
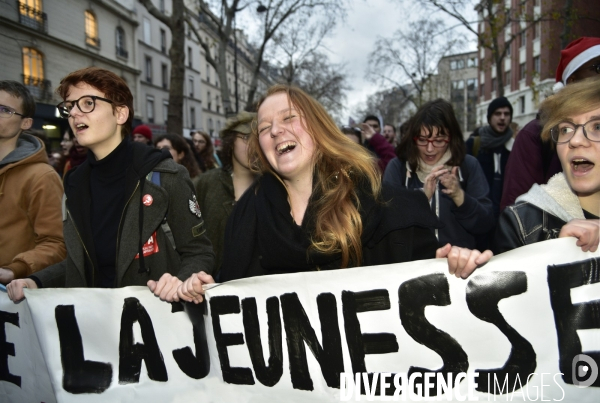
x=289 y=190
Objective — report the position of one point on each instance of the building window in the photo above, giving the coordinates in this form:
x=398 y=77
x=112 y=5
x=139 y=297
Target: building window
x=472 y=62
x=457 y=64
x=150 y=109
x=33 y=73
x=161 y=6
x=522 y=38
x=31 y=15
x=192 y=118
x=148 y=68
x=190 y=59
x=211 y=128
x=191 y=85
x=91 y=29
x=536 y=65
x=508 y=49
x=522 y=71
x=147 y=31
x=165 y=111
x=522 y=104
x=207 y=72
x=208 y=100
x=120 y=40
x=494 y=84
x=163 y=41
x=217 y=104
x=471 y=84
x=507 y=78
x=164 y=72
x=458 y=85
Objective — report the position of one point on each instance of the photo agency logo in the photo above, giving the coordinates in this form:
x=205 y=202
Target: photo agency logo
x=584 y=370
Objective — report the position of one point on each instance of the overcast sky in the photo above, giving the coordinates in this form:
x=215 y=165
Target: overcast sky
x=354 y=40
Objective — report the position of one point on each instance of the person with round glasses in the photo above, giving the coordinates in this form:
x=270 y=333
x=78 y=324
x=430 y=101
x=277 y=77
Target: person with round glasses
x=432 y=158
x=569 y=204
x=118 y=199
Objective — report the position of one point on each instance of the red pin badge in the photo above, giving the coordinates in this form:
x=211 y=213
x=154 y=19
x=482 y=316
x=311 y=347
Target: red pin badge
x=147 y=200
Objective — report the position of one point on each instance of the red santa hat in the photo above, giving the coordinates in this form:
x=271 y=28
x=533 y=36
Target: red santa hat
x=575 y=55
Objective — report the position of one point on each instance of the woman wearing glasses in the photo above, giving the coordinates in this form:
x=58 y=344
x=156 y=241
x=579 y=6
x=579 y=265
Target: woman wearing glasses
x=118 y=199
x=569 y=205
x=432 y=158
x=219 y=189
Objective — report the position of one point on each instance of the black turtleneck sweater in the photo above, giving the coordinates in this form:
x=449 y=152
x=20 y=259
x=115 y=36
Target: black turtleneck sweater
x=107 y=188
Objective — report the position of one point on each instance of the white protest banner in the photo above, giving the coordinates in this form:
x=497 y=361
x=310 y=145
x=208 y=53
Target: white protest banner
x=510 y=329
x=23 y=373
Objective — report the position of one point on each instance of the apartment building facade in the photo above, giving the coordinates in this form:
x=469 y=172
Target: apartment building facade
x=529 y=68
x=44 y=40
x=457 y=81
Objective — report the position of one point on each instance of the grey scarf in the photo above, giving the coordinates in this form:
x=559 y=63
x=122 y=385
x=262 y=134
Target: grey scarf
x=491 y=139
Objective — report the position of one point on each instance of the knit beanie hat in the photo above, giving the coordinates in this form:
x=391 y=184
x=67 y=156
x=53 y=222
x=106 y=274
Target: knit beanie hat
x=497 y=103
x=144 y=131
x=575 y=55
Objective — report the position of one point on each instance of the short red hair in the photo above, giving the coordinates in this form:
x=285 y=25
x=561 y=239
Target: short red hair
x=113 y=87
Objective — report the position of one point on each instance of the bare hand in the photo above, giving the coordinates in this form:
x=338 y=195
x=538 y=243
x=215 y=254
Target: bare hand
x=166 y=287
x=15 y=288
x=432 y=179
x=452 y=187
x=191 y=289
x=367 y=131
x=587 y=233
x=6 y=275
x=462 y=262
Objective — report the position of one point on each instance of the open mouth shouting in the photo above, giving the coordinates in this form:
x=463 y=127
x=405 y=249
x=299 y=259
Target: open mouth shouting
x=80 y=127
x=581 y=165
x=286 y=147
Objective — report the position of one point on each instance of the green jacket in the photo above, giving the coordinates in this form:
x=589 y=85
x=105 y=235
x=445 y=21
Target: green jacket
x=216 y=198
x=173 y=202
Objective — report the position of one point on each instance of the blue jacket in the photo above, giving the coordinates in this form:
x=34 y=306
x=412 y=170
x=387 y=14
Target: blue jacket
x=461 y=224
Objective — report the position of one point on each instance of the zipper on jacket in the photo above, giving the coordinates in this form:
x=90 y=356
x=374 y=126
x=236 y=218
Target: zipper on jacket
x=84 y=248
x=119 y=230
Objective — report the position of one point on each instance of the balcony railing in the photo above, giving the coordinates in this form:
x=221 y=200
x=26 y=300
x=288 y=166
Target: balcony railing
x=122 y=52
x=32 y=18
x=39 y=88
x=93 y=41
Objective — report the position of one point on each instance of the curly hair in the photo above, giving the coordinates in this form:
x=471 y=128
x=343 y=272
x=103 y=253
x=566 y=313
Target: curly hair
x=339 y=166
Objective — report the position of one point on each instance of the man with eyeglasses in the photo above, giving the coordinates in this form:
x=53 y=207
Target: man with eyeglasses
x=117 y=201
x=31 y=236
x=534 y=161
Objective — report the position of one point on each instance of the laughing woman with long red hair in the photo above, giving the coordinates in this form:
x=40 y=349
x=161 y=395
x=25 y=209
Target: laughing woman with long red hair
x=319 y=204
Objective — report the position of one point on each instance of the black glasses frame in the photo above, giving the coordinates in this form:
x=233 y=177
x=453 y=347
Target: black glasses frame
x=62 y=109
x=554 y=131
x=12 y=112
